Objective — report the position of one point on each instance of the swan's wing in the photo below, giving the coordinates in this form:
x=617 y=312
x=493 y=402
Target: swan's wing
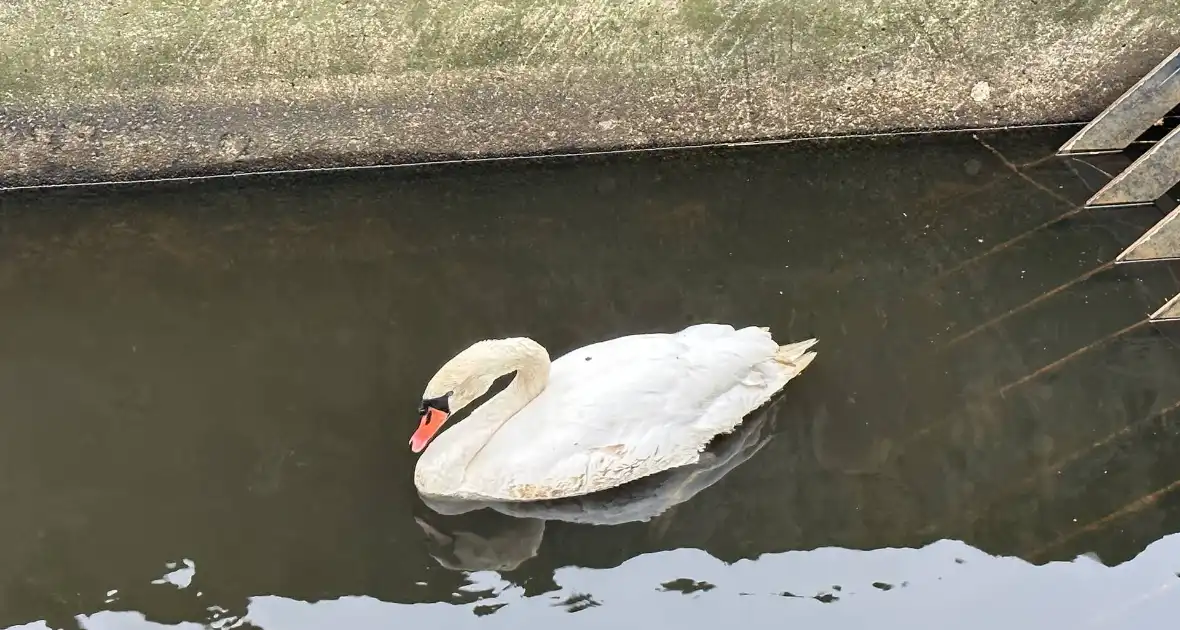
x=619 y=410
x=647 y=498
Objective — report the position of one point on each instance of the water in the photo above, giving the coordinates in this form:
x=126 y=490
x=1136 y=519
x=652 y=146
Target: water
x=207 y=390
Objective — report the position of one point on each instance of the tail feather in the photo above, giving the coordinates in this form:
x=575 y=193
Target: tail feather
x=796 y=354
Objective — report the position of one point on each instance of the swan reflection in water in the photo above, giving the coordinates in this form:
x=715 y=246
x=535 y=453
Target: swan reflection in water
x=511 y=533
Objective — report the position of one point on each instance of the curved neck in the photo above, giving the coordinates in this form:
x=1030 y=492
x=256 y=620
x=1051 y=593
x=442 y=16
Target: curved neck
x=442 y=466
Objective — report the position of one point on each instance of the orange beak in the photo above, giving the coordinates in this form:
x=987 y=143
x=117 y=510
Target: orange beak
x=428 y=427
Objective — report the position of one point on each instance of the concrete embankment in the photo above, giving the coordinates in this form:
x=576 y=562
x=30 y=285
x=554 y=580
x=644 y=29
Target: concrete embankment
x=119 y=89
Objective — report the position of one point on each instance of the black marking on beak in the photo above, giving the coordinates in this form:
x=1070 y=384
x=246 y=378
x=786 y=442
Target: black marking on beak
x=442 y=403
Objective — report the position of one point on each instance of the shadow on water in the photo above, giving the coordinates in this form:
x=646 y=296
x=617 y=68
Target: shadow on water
x=223 y=376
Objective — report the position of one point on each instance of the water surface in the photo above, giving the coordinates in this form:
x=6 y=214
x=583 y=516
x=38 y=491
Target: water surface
x=219 y=379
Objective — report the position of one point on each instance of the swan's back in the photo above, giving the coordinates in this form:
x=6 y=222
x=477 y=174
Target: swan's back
x=622 y=409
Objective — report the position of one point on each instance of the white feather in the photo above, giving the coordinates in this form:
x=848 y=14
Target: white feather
x=610 y=413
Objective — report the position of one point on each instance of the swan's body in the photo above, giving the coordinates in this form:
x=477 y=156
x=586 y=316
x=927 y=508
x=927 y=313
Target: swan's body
x=597 y=417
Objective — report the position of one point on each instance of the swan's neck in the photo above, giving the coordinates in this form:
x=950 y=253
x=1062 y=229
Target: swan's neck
x=443 y=465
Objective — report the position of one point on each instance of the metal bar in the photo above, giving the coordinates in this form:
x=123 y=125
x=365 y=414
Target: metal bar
x=1147 y=178
x=1002 y=391
x=1161 y=242
x=1016 y=309
x=982 y=506
x=1142 y=502
x=1132 y=113
x=1168 y=312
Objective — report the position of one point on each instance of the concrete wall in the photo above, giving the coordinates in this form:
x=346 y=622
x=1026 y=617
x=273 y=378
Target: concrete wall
x=108 y=89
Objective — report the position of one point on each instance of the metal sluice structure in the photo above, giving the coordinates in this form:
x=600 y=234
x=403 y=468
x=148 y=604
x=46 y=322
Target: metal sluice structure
x=1150 y=176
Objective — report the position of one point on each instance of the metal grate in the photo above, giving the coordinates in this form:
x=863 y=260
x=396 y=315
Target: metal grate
x=1142 y=112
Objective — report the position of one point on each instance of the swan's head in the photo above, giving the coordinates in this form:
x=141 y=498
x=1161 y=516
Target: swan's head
x=465 y=378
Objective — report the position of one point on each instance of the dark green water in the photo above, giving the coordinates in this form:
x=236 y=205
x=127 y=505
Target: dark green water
x=227 y=373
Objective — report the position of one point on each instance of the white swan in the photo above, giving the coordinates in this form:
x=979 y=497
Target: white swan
x=597 y=417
